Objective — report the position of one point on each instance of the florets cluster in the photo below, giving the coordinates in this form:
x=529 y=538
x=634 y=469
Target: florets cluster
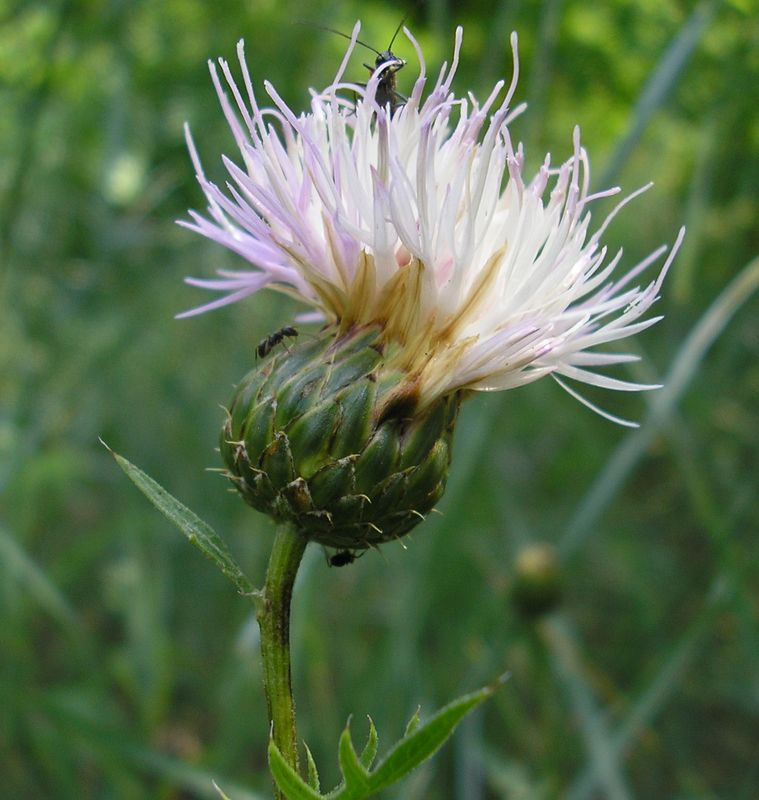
x=419 y=220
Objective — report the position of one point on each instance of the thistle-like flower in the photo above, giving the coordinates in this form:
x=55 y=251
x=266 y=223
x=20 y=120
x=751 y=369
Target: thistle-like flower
x=437 y=268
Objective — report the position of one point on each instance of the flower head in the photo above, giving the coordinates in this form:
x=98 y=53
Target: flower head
x=419 y=221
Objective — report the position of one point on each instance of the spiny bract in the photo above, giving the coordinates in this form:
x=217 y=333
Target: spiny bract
x=327 y=438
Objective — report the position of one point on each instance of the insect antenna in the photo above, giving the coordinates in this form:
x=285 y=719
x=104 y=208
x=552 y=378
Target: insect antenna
x=345 y=36
x=397 y=31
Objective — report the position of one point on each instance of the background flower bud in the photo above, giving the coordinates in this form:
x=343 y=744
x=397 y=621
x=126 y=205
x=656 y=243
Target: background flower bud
x=537 y=580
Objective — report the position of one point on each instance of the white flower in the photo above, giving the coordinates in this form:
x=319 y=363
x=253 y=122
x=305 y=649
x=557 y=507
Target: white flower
x=419 y=220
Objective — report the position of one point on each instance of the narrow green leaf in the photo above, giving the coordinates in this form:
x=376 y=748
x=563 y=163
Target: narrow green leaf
x=198 y=532
x=413 y=750
x=413 y=723
x=287 y=779
x=369 y=752
x=313 y=772
x=356 y=777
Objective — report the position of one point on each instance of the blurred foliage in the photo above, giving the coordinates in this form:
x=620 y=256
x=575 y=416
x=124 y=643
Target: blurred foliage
x=129 y=668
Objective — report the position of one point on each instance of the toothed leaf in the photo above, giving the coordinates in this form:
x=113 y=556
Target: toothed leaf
x=413 y=723
x=354 y=774
x=369 y=752
x=425 y=740
x=287 y=779
x=407 y=754
x=313 y=773
x=202 y=535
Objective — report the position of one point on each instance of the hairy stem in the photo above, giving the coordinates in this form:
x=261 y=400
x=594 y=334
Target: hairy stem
x=274 y=622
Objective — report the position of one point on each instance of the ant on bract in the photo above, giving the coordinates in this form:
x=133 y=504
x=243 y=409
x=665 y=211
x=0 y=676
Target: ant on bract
x=265 y=346
x=387 y=93
x=343 y=557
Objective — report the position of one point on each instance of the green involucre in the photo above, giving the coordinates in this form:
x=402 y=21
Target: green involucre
x=323 y=435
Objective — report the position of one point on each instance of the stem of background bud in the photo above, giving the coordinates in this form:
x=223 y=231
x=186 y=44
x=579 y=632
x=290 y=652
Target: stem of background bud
x=274 y=622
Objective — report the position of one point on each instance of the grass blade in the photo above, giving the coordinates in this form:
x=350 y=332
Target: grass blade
x=33 y=579
x=593 y=729
x=660 y=84
x=688 y=359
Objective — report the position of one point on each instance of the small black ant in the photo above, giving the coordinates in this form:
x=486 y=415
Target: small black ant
x=386 y=94
x=265 y=346
x=343 y=558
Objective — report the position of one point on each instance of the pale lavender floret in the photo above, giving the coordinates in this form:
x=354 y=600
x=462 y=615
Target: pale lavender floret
x=436 y=186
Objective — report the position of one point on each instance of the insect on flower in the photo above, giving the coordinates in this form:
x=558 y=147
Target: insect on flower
x=265 y=346
x=343 y=558
x=389 y=64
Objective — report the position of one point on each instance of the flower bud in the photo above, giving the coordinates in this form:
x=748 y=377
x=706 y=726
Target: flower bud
x=326 y=436
x=537 y=581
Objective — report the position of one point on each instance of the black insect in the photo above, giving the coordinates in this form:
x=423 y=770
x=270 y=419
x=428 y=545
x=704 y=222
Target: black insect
x=265 y=346
x=343 y=558
x=387 y=94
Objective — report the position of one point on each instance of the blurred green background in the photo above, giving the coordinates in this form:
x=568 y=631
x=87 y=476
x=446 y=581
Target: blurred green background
x=129 y=667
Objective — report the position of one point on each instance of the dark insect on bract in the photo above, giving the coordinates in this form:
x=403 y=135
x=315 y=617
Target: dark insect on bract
x=386 y=94
x=266 y=345
x=342 y=558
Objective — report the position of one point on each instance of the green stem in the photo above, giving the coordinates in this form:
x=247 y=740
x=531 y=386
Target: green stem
x=274 y=622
